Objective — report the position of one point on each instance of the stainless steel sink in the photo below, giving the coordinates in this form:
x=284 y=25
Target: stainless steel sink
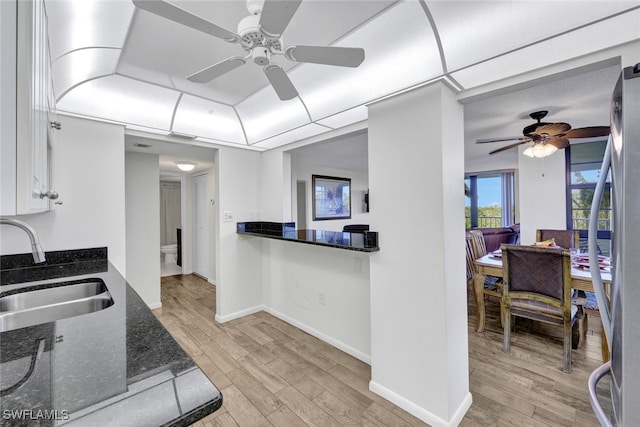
x=51 y=302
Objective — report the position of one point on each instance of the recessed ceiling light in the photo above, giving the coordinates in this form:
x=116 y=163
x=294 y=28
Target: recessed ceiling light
x=186 y=166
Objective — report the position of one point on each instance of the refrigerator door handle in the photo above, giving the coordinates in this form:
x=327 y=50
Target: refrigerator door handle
x=596 y=376
x=598 y=286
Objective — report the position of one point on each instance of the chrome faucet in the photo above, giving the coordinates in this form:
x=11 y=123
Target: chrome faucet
x=36 y=249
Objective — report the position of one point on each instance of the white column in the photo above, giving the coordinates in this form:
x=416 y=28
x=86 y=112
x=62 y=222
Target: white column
x=418 y=289
x=142 y=196
x=238 y=259
x=543 y=190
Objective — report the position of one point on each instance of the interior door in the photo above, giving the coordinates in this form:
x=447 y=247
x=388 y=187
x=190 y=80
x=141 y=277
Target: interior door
x=200 y=226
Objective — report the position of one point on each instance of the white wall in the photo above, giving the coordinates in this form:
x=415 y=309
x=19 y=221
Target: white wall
x=275 y=182
x=501 y=161
x=88 y=173
x=324 y=291
x=419 y=348
x=142 y=174
x=542 y=188
x=239 y=259
x=359 y=184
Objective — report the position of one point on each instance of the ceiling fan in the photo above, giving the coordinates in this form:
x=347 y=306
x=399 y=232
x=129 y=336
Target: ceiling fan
x=547 y=137
x=260 y=35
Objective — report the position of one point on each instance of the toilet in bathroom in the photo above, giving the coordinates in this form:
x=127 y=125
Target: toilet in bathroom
x=169 y=252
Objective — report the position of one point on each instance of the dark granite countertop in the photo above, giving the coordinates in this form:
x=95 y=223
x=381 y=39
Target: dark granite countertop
x=117 y=366
x=362 y=242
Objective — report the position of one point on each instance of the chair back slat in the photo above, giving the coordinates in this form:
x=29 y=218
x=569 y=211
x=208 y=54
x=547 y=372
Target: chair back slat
x=479 y=246
x=470 y=256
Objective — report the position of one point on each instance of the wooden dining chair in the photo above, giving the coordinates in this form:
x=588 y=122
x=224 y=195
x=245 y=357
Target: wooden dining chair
x=537 y=286
x=567 y=239
x=470 y=259
x=492 y=286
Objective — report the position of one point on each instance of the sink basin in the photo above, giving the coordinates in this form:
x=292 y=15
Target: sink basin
x=47 y=303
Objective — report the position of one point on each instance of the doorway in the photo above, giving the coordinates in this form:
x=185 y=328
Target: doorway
x=200 y=225
x=301 y=205
x=170 y=223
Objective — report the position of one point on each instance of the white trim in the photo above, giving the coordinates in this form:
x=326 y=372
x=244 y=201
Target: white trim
x=155 y=305
x=239 y=314
x=324 y=337
x=419 y=412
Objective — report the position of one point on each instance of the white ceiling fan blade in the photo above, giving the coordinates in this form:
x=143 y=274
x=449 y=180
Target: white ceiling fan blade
x=181 y=16
x=280 y=82
x=276 y=15
x=329 y=55
x=216 y=70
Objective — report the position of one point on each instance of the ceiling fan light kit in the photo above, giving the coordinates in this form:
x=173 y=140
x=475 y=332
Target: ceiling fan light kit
x=540 y=150
x=260 y=35
x=547 y=138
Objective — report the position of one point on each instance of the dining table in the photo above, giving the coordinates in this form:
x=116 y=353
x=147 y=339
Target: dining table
x=491 y=265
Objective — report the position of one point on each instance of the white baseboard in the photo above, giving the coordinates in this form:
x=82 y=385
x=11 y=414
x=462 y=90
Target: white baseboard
x=239 y=314
x=155 y=305
x=419 y=412
x=366 y=358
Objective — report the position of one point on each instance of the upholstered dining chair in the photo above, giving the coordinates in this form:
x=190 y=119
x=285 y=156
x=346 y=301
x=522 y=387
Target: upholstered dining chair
x=537 y=285
x=567 y=239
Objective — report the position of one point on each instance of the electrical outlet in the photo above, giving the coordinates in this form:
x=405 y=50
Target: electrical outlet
x=227 y=216
x=302 y=295
x=322 y=298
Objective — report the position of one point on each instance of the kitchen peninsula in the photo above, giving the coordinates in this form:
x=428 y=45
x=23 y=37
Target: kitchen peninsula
x=114 y=366
x=363 y=242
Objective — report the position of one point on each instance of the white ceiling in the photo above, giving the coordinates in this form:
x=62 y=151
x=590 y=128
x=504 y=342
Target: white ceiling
x=115 y=62
x=580 y=100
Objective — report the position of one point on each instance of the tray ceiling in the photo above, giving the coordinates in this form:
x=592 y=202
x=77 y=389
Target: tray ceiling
x=115 y=62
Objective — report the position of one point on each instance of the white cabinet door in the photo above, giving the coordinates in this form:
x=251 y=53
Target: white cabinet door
x=29 y=88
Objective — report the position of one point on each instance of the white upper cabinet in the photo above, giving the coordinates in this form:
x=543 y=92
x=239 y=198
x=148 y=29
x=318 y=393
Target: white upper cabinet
x=28 y=108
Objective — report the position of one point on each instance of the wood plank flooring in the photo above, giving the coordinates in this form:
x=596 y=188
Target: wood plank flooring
x=273 y=374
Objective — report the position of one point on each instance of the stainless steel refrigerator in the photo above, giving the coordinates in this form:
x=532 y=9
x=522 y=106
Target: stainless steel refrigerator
x=621 y=317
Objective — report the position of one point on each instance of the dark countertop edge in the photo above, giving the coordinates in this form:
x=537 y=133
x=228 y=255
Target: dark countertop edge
x=196 y=414
x=97 y=257
x=329 y=245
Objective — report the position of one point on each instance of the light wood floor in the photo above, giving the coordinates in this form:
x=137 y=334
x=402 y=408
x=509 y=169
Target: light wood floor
x=271 y=373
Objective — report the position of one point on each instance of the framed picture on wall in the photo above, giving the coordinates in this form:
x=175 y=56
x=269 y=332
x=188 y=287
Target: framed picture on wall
x=331 y=197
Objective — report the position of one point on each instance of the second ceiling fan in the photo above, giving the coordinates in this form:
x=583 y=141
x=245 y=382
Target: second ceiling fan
x=547 y=137
x=260 y=35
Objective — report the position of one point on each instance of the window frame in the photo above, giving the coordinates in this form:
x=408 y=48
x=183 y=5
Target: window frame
x=507 y=196
x=583 y=233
